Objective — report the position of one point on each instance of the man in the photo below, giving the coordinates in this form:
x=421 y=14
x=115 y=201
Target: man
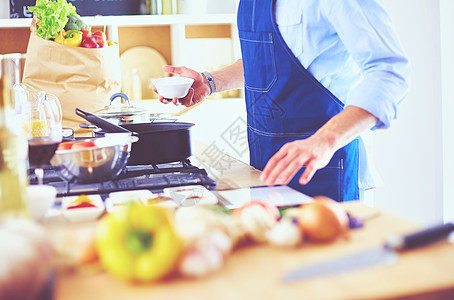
x=316 y=73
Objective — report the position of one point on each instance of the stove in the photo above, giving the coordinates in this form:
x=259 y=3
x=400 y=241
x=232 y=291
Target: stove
x=150 y=177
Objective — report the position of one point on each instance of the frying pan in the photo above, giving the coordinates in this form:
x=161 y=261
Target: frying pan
x=158 y=143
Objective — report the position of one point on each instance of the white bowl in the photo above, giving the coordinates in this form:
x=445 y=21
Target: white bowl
x=191 y=195
x=40 y=199
x=173 y=87
x=82 y=214
x=120 y=200
x=134 y=195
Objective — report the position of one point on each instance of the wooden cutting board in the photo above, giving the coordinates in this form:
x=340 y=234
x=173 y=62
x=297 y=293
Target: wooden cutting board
x=255 y=272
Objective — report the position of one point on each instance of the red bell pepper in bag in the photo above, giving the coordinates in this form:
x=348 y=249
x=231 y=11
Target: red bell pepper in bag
x=100 y=38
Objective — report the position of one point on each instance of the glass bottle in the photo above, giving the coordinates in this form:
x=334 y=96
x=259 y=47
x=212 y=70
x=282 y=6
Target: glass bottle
x=13 y=154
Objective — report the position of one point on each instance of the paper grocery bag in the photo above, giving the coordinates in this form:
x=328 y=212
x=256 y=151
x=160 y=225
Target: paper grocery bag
x=80 y=77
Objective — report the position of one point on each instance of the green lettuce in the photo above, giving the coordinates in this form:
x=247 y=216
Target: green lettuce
x=53 y=16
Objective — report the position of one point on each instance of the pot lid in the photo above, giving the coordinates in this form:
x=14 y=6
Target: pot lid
x=119 y=111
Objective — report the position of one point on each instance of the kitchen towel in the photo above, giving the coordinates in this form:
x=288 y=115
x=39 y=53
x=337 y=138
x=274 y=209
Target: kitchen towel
x=79 y=77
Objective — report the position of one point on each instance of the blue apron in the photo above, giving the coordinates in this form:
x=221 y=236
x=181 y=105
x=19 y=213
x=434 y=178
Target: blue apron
x=285 y=103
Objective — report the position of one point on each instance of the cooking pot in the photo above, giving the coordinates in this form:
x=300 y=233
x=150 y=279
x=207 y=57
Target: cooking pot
x=158 y=143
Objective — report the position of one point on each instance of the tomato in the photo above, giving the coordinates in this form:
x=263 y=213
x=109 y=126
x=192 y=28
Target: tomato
x=100 y=33
x=83 y=145
x=65 y=145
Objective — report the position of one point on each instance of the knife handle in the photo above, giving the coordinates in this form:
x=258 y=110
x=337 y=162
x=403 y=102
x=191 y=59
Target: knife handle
x=421 y=238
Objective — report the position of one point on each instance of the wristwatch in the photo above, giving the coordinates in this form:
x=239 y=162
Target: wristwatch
x=210 y=82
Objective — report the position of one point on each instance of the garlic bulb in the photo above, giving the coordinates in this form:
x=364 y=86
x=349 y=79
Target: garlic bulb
x=285 y=234
x=206 y=255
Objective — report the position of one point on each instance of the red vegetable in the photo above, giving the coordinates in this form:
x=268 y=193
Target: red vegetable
x=81 y=205
x=89 y=42
x=65 y=145
x=83 y=145
x=85 y=33
x=100 y=38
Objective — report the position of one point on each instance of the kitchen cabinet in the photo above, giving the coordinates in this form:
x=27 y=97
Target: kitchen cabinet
x=168 y=34
x=198 y=41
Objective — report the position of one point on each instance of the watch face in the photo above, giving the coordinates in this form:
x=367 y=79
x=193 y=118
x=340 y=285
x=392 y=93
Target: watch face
x=210 y=82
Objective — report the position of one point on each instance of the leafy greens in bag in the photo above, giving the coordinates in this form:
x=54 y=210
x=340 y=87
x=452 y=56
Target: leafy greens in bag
x=53 y=16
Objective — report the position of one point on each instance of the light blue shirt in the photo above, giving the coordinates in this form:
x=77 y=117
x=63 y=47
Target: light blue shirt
x=351 y=47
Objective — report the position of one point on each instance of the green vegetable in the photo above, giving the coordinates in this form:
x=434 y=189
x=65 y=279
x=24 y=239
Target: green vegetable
x=76 y=23
x=53 y=16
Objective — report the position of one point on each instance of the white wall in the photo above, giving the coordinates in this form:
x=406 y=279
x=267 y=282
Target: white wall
x=409 y=155
x=447 y=63
x=4 y=9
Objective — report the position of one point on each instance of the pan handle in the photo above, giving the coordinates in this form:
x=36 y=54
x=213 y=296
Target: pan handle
x=101 y=123
x=82 y=113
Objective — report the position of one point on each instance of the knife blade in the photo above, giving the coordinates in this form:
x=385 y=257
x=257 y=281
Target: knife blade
x=383 y=255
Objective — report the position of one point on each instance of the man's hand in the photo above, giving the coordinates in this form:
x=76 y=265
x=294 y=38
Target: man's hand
x=313 y=152
x=227 y=78
x=316 y=151
x=198 y=91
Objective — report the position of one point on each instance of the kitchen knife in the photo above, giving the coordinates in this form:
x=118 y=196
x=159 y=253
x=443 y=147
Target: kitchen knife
x=386 y=254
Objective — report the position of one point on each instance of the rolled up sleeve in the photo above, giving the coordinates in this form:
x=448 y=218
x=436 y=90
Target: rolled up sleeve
x=369 y=36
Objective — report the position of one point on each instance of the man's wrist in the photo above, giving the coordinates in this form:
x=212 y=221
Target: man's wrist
x=211 y=82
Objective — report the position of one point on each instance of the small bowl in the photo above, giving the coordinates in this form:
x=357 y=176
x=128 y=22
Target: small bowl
x=128 y=196
x=82 y=214
x=191 y=195
x=173 y=87
x=40 y=199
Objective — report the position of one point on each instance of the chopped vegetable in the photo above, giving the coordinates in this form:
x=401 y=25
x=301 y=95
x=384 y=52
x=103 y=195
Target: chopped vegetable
x=52 y=15
x=76 y=23
x=81 y=205
x=81 y=200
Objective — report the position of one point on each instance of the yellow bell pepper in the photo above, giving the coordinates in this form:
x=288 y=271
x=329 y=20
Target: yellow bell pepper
x=110 y=43
x=138 y=243
x=69 y=38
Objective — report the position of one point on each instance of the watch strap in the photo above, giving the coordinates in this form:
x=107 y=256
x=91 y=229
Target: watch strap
x=210 y=82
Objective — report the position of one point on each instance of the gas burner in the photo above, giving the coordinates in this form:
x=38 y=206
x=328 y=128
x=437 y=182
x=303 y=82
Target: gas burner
x=151 y=177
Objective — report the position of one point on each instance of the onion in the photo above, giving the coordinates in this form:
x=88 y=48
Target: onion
x=337 y=208
x=322 y=220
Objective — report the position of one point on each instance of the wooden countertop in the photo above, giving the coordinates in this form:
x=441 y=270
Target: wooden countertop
x=254 y=272
x=228 y=172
